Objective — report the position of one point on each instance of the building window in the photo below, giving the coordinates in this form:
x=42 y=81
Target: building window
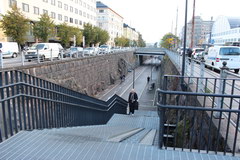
x=65 y=19
x=76 y=11
x=80 y=2
x=53 y=2
x=59 y=4
x=80 y=22
x=45 y=11
x=53 y=15
x=76 y=21
x=71 y=20
x=36 y=10
x=59 y=17
x=45 y=1
x=101 y=11
x=71 y=9
x=12 y=2
x=25 y=7
x=84 y=14
x=76 y=1
x=80 y=12
x=84 y=5
x=66 y=7
x=88 y=16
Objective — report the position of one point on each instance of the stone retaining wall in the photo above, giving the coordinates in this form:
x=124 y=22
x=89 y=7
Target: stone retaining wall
x=88 y=75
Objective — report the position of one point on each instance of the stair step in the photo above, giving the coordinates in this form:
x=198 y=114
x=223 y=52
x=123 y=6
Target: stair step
x=125 y=135
x=148 y=139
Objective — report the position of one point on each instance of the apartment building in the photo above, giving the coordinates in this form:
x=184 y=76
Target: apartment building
x=74 y=12
x=225 y=29
x=110 y=21
x=130 y=32
x=200 y=33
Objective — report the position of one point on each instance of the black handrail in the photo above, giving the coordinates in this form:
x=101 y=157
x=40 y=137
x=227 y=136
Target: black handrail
x=201 y=120
x=28 y=102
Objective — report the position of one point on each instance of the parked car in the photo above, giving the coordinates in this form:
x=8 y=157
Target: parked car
x=74 y=52
x=105 y=49
x=45 y=51
x=90 y=51
x=9 y=49
x=196 y=52
x=218 y=54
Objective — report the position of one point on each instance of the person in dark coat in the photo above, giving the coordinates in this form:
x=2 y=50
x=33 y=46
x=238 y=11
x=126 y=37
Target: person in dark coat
x=132 y=100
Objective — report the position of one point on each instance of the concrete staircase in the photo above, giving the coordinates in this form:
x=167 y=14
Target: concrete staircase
x=124 y=137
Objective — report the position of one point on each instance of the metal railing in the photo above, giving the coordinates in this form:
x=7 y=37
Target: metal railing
x=193 y=120
x=28 y=102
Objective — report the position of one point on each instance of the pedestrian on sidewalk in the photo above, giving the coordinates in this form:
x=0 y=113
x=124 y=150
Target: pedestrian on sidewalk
x=132 y=100
x=148 y=79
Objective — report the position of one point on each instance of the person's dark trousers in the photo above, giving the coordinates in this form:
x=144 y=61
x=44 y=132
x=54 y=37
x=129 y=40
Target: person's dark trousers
x=131 y=106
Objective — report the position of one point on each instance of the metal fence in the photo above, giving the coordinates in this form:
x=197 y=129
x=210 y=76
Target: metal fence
x=199 y=119
x=28 y=102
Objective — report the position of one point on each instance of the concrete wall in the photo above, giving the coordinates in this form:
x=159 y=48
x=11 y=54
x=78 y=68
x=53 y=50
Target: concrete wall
x=88 y=75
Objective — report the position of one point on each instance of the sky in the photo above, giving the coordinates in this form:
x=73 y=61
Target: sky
x=154 y=18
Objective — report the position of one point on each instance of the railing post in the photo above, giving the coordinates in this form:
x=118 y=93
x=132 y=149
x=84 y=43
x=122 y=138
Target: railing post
x=1 y=59
x=23 y=57
x=71 y=54
x=51 y=54
x=38 y=58
x=223 y=75
x=201 y=81
x=162 y=113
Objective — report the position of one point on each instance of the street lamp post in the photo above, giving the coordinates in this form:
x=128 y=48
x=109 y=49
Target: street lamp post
x=184 y=42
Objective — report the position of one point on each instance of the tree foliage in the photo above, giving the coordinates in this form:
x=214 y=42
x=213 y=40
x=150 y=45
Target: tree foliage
x=44 y=28
x=89 y=34
x=141 y=42
x=169 y=40
x=64 y=34
x=74 y=31
x=122 y=41
x=15 y=25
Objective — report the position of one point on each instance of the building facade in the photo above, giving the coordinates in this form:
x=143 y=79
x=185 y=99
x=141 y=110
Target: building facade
x=110 y=21
x=130 y=33
x=200 y=33
x=73 y=12
x=226 y=29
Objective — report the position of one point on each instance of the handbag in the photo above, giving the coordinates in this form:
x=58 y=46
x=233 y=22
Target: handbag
x=136 y=105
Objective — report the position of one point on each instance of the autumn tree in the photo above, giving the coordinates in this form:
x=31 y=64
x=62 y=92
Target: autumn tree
x=169 y=40
x=15 y=25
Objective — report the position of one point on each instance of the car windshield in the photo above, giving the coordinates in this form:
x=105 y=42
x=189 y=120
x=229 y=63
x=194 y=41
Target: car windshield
x=37 y=47
x=229 y=51
x=73 y=49
x=88 y=48
x=103 y=46
x=199 y=50
x=0 y=45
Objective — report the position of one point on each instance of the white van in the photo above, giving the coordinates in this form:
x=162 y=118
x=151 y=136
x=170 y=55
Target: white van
x=218 y=54
x=45 y=51
x=9 y=49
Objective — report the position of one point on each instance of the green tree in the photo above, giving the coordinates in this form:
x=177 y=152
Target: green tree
x=141 y=42
x=103 y=36
x=44 y=28
x=122 y=41
x=64 y=33
x=15 y=25
x=89 y=34
x=77 y=33
x=169 y=40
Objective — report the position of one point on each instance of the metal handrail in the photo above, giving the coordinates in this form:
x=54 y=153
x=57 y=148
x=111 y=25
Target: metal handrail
x=28 y=102
x=190 y=111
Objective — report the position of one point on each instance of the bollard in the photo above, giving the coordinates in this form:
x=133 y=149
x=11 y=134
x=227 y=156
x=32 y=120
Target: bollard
x=201 y=81
x=221 y=89
x=38 y=58
x=23 y=57
x=71 y=54
x=1 y=59
x=51 y=54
